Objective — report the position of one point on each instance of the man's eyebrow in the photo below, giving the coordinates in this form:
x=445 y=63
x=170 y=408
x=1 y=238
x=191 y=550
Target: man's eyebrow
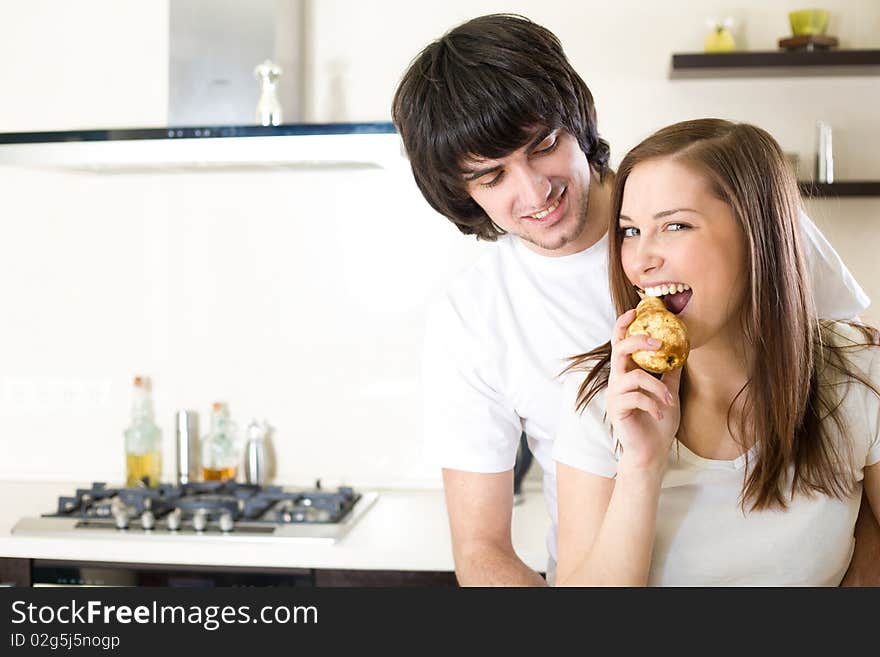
x=473 y=174
x=663 y=213
x=540 y=136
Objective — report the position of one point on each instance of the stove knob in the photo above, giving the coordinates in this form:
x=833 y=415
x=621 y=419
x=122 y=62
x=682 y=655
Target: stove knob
x=148 y=520
x=226 y=522
x=121 y=518
x=173 y=520
x=200 y=520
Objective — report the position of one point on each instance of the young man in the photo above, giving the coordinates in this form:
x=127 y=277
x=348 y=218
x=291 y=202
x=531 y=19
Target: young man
x=502 y=137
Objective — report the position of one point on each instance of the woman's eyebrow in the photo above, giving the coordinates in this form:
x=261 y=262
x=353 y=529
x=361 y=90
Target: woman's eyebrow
x=666 y=213
x=663 y=213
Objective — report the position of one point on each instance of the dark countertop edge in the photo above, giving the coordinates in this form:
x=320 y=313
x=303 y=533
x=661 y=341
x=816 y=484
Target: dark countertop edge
x=197 y=132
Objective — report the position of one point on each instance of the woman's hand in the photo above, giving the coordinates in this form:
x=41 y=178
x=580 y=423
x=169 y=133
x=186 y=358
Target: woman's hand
x=644 y=411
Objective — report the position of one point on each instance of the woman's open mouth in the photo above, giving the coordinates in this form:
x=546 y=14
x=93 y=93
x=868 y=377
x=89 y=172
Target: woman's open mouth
x=675 y=296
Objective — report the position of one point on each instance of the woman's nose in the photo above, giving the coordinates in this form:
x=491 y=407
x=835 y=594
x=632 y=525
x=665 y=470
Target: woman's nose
x=647 y=256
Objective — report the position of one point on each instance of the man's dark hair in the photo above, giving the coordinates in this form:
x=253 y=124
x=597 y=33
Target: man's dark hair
x=481 y=90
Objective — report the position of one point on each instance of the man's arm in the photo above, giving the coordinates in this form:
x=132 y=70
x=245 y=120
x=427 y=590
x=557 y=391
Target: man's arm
x=480 y=507
x=864 y=569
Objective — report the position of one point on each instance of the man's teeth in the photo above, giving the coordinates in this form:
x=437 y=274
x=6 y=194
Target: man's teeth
x=544 y=213
x=662 y=290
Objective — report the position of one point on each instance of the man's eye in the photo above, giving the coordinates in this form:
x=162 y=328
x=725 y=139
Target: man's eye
x=494 y=181
x=629 y=231
x=548 y=144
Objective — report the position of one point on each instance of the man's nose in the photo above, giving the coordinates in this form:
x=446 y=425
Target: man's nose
x=534 y=188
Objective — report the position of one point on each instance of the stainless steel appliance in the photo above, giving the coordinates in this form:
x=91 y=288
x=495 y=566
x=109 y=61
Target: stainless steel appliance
x=216 y=508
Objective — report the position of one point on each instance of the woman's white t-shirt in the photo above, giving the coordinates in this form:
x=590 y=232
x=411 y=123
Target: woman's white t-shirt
x=497 y=339
x=703 y=537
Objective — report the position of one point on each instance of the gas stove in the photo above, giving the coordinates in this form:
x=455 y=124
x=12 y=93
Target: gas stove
x=224 y=509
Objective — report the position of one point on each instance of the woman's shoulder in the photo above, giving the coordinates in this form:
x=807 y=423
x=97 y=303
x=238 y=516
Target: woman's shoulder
x=575 y=375
x=583 y=434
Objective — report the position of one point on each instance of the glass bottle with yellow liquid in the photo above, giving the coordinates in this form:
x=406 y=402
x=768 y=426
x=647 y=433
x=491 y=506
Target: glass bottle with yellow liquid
x=143 y=440
x=220 y=450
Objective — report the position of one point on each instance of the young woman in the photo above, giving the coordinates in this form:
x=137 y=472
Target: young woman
x=745 y=467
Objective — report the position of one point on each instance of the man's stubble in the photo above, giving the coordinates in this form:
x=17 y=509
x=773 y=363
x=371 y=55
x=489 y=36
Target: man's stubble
x=580 y=225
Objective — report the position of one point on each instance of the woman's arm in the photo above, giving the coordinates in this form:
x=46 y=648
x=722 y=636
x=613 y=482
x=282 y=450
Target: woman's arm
x=607 y=526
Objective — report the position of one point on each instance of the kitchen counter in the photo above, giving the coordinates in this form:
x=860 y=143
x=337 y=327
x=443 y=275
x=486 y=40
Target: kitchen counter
x=404 y=530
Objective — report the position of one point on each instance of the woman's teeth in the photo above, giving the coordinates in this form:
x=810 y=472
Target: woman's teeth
x=544 y=213
x=662 y=290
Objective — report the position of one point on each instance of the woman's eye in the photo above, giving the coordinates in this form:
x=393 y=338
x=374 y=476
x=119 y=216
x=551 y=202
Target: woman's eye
x=677 y=226
x=629 y=231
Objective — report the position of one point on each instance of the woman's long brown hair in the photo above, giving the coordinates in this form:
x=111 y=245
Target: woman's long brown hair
x=786 y=404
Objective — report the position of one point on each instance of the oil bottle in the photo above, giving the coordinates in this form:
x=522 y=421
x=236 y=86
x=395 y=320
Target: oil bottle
x=143 y=439
x=220 y=447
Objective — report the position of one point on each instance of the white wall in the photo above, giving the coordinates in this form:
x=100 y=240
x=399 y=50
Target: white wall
x=298 y=296
x=622 y=49
x=85 y=64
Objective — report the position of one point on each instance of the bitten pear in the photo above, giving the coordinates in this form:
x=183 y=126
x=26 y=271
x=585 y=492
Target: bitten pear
x=654 y=320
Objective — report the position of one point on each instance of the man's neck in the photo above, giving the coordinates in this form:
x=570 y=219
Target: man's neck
x=598 y=210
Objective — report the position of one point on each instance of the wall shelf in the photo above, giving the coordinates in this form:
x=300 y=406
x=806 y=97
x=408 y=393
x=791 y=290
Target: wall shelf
x=775 y=63
x=848 y=188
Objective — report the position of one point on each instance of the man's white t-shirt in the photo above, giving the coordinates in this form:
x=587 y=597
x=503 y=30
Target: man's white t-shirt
x=497 y=340
x=704 y=538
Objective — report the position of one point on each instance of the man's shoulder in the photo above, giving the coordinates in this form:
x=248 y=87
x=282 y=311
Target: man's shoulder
x=853 y=337
x=481 y=279
x=857 y=345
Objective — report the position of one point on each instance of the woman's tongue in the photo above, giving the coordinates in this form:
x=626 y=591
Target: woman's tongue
x=675 y=303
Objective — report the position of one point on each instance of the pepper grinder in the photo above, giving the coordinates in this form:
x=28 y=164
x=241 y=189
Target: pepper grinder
x=255 y=454
x=186 y=427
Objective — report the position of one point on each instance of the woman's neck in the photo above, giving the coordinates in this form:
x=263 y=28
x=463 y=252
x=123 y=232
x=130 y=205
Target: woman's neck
x=715 y=374
x=718 y=369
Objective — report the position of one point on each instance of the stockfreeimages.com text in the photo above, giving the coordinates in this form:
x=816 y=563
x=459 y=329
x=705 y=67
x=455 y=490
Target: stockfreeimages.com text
x=210 y=617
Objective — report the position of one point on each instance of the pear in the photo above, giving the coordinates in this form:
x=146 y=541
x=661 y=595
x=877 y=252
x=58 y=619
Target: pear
x=654 y=320
x=720 y=39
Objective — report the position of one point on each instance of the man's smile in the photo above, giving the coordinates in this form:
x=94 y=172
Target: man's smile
x=544 y=213
x=551 y=213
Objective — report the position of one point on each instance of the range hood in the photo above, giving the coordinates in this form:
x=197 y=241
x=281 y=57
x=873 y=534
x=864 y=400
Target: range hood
x=189 y=149
x=214 y=48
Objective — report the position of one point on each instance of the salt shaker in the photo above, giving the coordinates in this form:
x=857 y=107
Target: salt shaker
x=255 y=454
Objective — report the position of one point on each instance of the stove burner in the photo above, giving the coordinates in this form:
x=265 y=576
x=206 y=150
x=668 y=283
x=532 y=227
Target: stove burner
x=222 y=506
x=212 y=505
